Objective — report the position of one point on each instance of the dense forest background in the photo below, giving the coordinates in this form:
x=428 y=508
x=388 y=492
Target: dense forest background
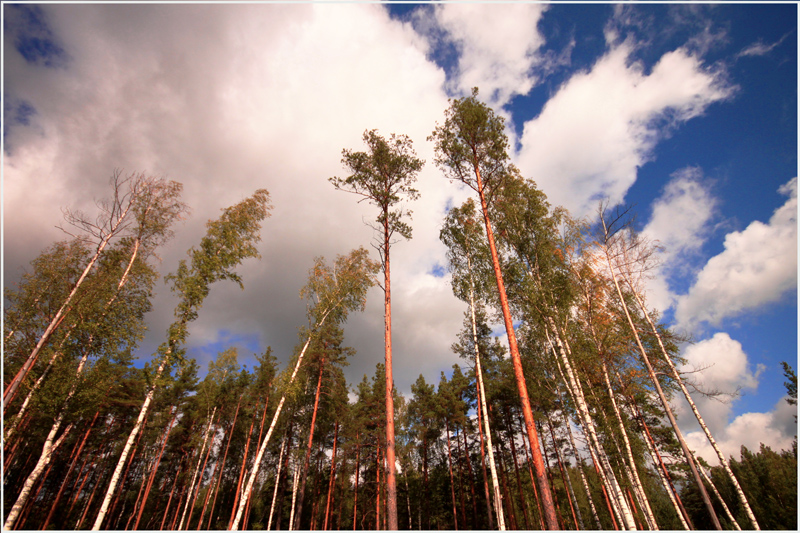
x=566 y=425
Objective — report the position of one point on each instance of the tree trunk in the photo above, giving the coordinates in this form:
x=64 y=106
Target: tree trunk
x=516 y=472
x=644 y=503
x=155 y=468
x=538 y=462
x=333 y=475
x=565 y=480
x=470 y=482
x=304 y=473
x=661 y=396
x=355 y=496
x=294 y=495
x=452 y=483
x=47 y=452
x=721 y=456
x=192 y=493
x=11 y=388
x=69 y=471
x=391 y=483
x=576 y=390
x=246 y=494
x=277 y=483
x=579 y=466
x=717 y=494
x=112 y=487
x=498 y=506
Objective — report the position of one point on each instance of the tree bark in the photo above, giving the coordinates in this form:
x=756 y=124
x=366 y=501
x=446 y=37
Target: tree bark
x=333 y=475
x=391 y=482
x=304 y=473
x=660 y=392
x=538 y=462
x=277 y=483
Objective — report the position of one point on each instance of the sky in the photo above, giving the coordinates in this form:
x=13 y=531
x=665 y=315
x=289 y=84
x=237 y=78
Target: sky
x=687 y=112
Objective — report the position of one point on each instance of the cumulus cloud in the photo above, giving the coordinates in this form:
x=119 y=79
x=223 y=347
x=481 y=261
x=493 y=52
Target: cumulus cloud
x=602 y=124
x=757 y=266
x=775 y=429
x=680 y=223
x=717 y=365
x=228 y=99
x=498 y=47
x=724 y=366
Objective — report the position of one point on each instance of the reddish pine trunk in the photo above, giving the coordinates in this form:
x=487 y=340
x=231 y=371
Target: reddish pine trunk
x=306 y=461
x=194 y=492
x=333 y=474
x=69 y=471
x=242 y=468
x=538 y=462
x=533 y=482
x=391 y=484
x=221 y=470
x=155 y=469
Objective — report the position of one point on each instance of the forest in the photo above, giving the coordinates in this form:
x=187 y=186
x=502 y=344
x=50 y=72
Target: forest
x=566 y=424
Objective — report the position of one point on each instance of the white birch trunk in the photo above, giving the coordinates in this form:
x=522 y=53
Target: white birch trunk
x=717 y=494
x=583 y=412
x=47 y=454
x=197 y=469
x=721 y=456
x=277 y=482
x=123 y=280
x=498 y=506
x=294 y=494
x=644 y=502
x=660 y=392
x=112 y=487
x=583 y=475
x=14 y=385
x=261 y=449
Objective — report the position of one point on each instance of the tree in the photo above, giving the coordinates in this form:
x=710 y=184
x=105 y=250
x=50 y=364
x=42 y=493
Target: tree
x=229 y=240
x=472 y=147
x=384 y=175
x=135 y=194
x=462 y=236
x=333 y=291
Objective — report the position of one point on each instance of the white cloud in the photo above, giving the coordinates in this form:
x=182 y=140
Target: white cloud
x=718 y=364
x=775 y=429
x=723 y=366
x=680 y=223
x=601 y=125
x=757 y=266
x=228 y=99
x=498 y=47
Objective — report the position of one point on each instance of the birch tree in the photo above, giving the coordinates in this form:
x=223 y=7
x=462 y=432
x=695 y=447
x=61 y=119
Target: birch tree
x=229 y=240
x=114 y=220
x=332 y=292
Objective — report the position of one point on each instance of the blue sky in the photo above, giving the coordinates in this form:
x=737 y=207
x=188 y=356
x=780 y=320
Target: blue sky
x=688 y=112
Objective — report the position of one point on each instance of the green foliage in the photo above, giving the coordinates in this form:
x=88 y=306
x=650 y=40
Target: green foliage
x=384 y=174
x=229 y=240
x=768 y=479
x=471 y=145
x=335 y=290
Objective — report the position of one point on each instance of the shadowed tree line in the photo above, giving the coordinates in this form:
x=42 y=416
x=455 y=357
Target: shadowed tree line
x=563 y=421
